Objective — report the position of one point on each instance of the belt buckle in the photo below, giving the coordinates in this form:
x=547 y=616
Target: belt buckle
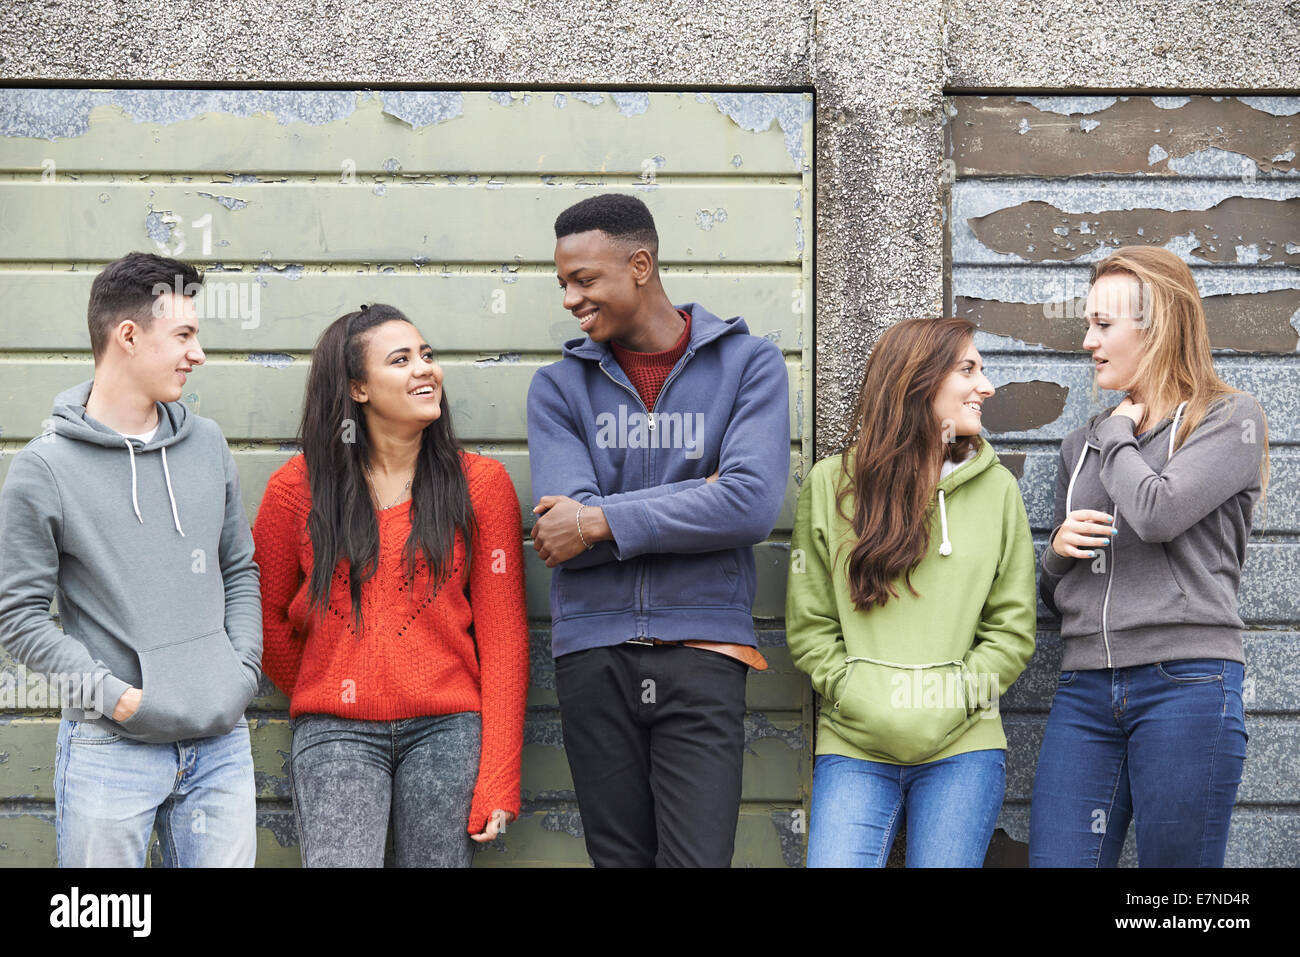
x=640 y=641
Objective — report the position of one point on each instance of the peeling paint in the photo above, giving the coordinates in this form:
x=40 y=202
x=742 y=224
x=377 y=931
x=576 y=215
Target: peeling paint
x=561 y=101
x=790 y=838
x=227 y=201
x=53 y=114
x=704 y=219
x=631 y=104
x=1227 y=164
x=985 y=136
x=272 y=360
x=1069 y=105
x=1013 y=462
x=156 y=229
x=595 y=99
x=291 y=271
x=562 y=821
x=1020 y=230
x=423 y=107
x=756 y=111
x=1276 y=105
x=757 y=727
x=505 y=357
x=1022 y=406
x=283 y=828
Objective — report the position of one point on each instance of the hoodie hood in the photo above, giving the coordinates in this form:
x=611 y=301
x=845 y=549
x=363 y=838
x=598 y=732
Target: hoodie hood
x=954 y=475
x=69 y=420
x=705 y=327
x=1160 y=428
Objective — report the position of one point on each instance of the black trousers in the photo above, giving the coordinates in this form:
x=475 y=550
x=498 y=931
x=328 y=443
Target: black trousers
x=655 y=737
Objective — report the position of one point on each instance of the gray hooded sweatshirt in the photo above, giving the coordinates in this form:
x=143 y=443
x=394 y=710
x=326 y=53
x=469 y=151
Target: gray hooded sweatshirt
x=149 y=551
x=1165 y=588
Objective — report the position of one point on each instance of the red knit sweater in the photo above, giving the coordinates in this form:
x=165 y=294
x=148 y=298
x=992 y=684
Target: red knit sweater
x=648 y=371
x=466 y=650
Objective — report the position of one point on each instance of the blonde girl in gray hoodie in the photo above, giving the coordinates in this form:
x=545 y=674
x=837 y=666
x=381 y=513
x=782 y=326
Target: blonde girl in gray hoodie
x=1154 y=499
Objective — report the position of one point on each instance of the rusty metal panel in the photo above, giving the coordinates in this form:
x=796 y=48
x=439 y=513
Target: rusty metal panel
x=301 y=204
x=1041 y=186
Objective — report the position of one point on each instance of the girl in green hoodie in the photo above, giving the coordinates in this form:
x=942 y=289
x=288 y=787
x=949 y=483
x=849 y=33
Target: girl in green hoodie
x=911 y=607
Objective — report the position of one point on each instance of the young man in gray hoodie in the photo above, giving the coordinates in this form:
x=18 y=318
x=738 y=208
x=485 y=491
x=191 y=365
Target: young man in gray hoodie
x=127 y=507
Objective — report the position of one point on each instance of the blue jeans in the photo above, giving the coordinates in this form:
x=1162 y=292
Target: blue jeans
x=349 y=776
x=1162 y=745
x=111 y=791
x=950 y=807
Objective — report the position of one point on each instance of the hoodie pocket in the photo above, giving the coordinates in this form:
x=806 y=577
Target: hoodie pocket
x=196 y=688
x=904 y=712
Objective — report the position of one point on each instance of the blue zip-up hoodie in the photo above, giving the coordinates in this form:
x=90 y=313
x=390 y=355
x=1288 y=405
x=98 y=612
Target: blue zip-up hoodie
x=681 y=565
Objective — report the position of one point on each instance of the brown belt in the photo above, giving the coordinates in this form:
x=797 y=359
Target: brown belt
x=742 y=653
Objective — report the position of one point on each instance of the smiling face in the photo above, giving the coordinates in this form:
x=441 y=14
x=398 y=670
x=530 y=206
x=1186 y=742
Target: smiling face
x=958 y=403
x=602 y=283
x=403 y=384
x=1115 y=330
x=168 y=350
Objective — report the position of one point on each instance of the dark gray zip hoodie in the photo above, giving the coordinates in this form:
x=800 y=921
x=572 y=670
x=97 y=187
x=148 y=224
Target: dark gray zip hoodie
x=148 y=548
x=1165 y=588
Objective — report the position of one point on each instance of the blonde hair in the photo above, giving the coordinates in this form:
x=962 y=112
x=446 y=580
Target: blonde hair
x=1176 y=365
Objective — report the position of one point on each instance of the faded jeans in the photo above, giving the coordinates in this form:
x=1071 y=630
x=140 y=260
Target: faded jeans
x=350 y=777
x=111 y=791
x=950 y=807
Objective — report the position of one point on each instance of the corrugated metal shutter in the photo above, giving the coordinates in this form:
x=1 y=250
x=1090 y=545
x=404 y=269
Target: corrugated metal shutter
x=302 y=205
x=1045 y=185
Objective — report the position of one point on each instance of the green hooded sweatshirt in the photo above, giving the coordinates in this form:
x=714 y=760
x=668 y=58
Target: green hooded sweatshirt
x=919 y=678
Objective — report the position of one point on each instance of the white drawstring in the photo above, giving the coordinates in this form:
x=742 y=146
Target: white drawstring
x=946 y=547
x=134 y=500
x=1174 y=430
x=168 y=476
x=1069 y=491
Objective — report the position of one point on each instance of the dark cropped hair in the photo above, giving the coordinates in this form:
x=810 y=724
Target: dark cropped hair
x=622 y=218
x=126 y=289
x=336 y=445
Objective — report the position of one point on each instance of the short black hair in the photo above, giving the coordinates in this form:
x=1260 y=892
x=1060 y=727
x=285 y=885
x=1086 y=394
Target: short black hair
x=622 y=218
x=126 y=289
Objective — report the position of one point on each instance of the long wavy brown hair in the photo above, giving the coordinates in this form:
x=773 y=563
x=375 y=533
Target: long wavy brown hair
x=894 y=452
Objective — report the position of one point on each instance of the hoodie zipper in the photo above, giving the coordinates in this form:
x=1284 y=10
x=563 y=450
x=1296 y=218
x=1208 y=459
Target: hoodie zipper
x=650 y=424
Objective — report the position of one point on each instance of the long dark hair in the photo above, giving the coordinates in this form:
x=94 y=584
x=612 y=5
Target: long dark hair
x=898 y=443
x=336 y=445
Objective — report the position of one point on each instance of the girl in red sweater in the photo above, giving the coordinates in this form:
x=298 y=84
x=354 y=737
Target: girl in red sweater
x=404 y=649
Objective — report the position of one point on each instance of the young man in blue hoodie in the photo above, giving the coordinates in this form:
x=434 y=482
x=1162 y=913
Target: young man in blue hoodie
x=128 y=508
x=660 y=451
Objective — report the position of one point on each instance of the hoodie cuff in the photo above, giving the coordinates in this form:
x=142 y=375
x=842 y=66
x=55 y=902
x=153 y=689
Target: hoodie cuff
x=1116 y=428
x=631 y=532
x=111 y=689
x=1054 y=564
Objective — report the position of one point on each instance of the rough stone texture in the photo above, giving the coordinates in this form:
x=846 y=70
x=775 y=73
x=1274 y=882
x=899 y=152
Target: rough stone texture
x=1137 y=45
x=879 y=68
